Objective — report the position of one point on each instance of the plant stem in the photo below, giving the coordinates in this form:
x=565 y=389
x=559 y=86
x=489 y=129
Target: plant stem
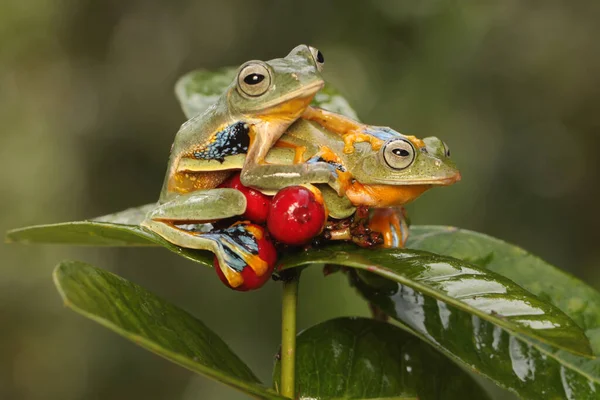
x=288 y=335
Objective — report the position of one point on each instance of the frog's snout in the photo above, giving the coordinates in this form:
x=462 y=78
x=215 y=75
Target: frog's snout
x=453 y=179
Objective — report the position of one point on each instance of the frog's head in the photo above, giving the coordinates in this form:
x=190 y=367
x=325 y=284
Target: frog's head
x=277 y=89
x=400 y=170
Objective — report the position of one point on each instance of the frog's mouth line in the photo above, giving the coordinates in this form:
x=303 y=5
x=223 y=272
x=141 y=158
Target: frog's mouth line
x=303 y=92
x=430 y=182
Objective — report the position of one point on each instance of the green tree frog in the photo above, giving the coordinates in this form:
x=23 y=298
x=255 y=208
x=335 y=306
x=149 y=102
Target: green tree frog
x=383 y=168
x=263 y=100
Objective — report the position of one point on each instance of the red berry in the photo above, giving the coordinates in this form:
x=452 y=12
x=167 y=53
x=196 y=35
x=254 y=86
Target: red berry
x=296 y=215
x=266 y=254
x=258 y=203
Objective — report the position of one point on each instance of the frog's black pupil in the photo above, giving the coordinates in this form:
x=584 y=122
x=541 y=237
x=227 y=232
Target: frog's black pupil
x=253 y=79
x=448 y=153
x=320 y=58
x=401 y=152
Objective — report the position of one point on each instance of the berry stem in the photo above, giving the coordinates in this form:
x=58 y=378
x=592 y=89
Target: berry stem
x=288 y=334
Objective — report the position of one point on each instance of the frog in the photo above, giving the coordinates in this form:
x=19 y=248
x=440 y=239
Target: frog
x=382 y=169
x=261 y=102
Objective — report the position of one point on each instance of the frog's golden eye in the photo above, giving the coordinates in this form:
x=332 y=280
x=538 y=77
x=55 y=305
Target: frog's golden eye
x=254 y=79
x=318 y=56
x=446 y=150
x=399 y=153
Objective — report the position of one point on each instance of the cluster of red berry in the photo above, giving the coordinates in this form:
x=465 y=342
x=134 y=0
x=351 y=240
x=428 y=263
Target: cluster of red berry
x=294 y=216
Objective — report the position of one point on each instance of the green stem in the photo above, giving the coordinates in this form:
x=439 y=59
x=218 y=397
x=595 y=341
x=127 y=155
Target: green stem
x=288 y=335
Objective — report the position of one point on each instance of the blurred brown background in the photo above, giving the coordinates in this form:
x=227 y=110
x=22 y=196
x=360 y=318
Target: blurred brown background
x=88 y=114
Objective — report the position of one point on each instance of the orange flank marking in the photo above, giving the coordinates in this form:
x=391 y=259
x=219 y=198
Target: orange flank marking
x=251 y=136
x=185 y=182
x=344 y=177
x=202 y=146
x=383 y=195
x=298 y=150
x=329 y=155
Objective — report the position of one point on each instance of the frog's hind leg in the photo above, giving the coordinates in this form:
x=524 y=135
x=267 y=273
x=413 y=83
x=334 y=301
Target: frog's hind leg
x=331 y=121
x=235 y=247
x=351 y=131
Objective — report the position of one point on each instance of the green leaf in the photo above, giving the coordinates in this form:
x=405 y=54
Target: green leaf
x=475 y=316
x=575 y=298
x=83 y=233
x=151 y=322
x=359 y=358
x=199 y=89
x=119 y=229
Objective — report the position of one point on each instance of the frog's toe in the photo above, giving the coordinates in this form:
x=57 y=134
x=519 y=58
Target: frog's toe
x=246 y=258
x=391 y=224
x=233 y=278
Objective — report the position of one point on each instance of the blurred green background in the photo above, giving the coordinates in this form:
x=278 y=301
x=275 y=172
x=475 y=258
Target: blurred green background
x=88 y=115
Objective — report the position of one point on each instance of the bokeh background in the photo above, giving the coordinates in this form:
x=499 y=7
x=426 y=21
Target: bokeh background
x=88 y=115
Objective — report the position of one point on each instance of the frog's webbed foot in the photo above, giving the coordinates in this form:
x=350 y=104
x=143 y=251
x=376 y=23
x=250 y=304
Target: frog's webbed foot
x=378 y=227
x=392 y=224
x=235 y=247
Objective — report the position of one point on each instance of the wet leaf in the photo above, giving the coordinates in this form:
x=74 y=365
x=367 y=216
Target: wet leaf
x=474 y=316
x=151 y=322
x=199 y=89
x=580 y=376
x=359 y=358
x=574 y=297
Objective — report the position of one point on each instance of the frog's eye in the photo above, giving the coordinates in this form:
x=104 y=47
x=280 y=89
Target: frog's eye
x=399 y=153
x=447 y=150
x=254 y=79
x=318 y=56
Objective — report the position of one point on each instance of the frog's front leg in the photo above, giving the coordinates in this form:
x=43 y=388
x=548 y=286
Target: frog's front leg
x=257 y=173
x=200 y=206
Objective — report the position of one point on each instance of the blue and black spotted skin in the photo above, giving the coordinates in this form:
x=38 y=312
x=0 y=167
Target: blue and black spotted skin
x=230 y=141
x=234 y=242
x=334 y=164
